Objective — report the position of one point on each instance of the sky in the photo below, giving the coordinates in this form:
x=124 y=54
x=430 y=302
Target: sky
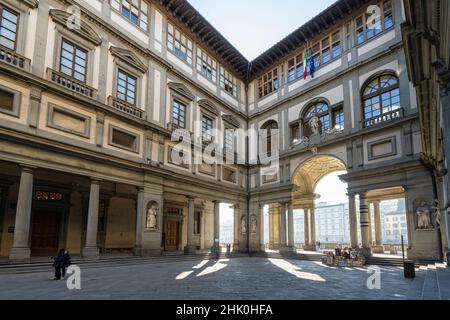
x=331 y=189
x=258 y=24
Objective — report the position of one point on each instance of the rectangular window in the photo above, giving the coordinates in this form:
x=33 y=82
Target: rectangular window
x=295 y=68
x=6 y=100
x=207 y=126
x=134 y=10
x=73 y=61
x=8 y=28
x=126 y=87
x=368 y=26
x=206 y=66
x=124 y=139
x=268 y=83
x=338 y=119
x=295 y=132
x=229 y=139
x=228 y=82
x=179 y=114
x=197 y=222
x=179 y=44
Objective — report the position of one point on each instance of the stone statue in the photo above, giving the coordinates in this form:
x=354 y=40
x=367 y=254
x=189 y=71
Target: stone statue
x=314 y=124
x=243 y=225
x=423 y=212
x=253 y=224
x=152 y=217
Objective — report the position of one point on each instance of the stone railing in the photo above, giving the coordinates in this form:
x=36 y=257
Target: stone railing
x=71 y=84
x=126 y=108
x=382 y=118
x=14 y=59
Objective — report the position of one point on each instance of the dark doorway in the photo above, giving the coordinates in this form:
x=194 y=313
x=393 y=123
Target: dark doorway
x=171 y=235
x=45 y=232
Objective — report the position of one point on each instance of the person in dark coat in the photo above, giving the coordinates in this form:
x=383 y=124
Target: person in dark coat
x=66 y=262
x=58 y=263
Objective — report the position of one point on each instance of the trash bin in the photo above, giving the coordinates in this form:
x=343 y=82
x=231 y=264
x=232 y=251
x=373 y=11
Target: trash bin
x=408 y=269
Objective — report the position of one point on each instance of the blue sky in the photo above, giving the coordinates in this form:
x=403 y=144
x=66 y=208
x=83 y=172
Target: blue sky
x=253 y=26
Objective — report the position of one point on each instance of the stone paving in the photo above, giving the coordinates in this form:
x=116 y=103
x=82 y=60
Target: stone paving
x=237 y=278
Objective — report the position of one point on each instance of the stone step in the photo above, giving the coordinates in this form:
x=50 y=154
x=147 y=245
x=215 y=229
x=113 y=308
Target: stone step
x=40 y=267
x=430 y=290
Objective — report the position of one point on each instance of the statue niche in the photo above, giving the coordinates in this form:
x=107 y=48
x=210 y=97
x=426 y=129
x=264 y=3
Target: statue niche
x=253 y=224
x=426 y=216
x=152 y=216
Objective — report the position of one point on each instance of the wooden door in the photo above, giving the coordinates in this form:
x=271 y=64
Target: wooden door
x=171 y=235
x=45 y=232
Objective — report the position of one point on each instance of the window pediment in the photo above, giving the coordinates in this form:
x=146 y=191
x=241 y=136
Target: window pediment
x=129 y=57
x=231 y=120
x=181 y=89
x=31 y=3
x=85 y=31
x=209 y=106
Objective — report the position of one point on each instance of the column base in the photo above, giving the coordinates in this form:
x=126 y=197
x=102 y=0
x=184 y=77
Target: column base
x=190 y=249
x=137 y=251
x=287 y=249
x=216 y=249
x=90 y=253
x=367 y=252
x=378 y=249
x=309 y=247
x=20 y=254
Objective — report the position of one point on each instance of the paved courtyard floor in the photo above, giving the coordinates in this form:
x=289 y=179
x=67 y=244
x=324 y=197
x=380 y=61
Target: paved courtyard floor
x=237 y=278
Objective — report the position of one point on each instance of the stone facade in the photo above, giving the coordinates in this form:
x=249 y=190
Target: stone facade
x=86 y=149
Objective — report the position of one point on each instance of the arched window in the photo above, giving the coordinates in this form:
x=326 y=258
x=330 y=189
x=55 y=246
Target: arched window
x=381 y=100
x=272 y=134
x=323 y=112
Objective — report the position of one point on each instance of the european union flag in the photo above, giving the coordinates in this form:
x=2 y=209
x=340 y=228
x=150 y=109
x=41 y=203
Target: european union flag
x=312 y=65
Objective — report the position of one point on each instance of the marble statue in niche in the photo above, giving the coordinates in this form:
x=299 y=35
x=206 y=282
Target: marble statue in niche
x=243 y=225
x=314 y=124
x=253 y=224
x=425 y=214
x=152 y=217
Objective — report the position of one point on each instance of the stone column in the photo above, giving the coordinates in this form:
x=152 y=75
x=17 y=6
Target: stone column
x=191 y=246
x=369 y=220
x=378 y=248
x=236 y=225
x=262 y=245
x=90 y=249
x=313 y=226
x=364 y=224
x=20 y=250
x=353 y=222
x=306 y=227
x=291 y=232
x=140 y=215
x=216 y=246
x=283 y=237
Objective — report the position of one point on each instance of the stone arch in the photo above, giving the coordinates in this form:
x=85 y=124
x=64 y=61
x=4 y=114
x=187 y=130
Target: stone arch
x=309 y=172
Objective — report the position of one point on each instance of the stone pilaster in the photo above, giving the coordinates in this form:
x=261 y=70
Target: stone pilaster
x=90 y=249
x=191 y=247
x=353 y=222
x=20 y=250
x=140 y=214
x=216 y=245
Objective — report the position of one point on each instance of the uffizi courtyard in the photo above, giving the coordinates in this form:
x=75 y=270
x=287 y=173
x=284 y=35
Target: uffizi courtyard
x=146 y=157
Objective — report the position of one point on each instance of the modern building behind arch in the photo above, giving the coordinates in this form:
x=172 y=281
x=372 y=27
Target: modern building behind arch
x=86 y=118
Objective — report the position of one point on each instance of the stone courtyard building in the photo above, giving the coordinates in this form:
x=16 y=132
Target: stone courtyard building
x=91 y=92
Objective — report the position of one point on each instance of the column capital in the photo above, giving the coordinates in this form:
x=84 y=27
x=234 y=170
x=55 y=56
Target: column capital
x=94 y=180
x=27 y=168
x=140 y=189
x=216 y=201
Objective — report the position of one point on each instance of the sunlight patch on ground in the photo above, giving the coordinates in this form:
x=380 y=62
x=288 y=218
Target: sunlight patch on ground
x=183 y=275
x=294 y=270
x=217 y=267
x=201 y=264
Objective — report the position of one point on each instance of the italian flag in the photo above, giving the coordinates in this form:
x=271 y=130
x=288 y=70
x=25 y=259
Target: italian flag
x=305 y=63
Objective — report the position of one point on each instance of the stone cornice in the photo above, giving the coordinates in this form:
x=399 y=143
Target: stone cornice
x=31 y=3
